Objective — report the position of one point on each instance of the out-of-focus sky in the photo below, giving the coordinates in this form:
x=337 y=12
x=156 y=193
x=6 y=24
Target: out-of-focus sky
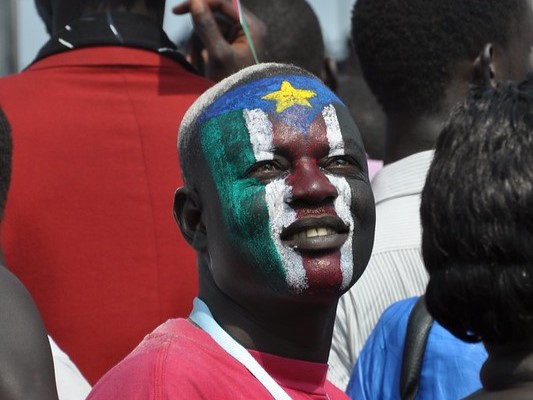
x=334 y=18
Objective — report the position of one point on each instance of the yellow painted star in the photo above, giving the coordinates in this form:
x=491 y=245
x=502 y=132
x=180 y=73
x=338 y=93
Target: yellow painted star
x=288 y=96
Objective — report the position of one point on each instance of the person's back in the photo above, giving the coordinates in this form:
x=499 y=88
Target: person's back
x=88 y=225
x=418 y=57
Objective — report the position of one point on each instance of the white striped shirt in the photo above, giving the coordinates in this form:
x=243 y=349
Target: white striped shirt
x=395 y=271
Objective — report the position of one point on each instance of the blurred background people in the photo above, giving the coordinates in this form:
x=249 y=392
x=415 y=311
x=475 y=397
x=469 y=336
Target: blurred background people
x=293 y=36
x=88 y=226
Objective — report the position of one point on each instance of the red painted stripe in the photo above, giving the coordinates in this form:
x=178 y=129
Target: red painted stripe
x=309 y=185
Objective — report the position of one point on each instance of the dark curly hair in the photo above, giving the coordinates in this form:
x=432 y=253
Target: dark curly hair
x=6 y=150
x=409 y=49
x=477 y=217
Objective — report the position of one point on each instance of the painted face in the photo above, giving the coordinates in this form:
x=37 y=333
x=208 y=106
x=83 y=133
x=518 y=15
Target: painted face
x=290 y=174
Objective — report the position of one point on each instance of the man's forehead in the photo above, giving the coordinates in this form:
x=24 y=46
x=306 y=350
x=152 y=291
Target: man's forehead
x=293 y=99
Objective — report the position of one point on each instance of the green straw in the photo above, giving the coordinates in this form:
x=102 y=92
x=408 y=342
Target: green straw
x=238 y=9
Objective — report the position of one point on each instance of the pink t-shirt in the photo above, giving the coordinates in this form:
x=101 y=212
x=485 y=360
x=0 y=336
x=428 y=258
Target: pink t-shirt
x=180 y=361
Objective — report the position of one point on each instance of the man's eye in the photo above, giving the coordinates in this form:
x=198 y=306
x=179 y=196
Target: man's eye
x=343 y=165
x=267 y=167
x=266 y=170
x=339 y=162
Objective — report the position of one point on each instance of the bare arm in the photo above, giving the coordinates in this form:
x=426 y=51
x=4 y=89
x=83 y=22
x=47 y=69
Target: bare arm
x=26 y=367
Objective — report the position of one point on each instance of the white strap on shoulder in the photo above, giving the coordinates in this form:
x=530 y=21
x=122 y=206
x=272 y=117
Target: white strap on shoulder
x=201 y=316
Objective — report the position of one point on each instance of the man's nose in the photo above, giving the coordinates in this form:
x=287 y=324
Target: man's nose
x=309 y=183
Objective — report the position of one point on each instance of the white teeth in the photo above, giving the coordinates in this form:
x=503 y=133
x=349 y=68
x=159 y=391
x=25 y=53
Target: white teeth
x=322 y=231
x=313 y=232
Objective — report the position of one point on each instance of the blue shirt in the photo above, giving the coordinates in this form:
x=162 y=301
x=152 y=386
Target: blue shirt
x=450 y=368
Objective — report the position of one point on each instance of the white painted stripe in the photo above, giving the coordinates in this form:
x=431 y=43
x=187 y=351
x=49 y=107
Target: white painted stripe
x=344 y=198
x=282 y=215
x=261 y=134
x=342 y=208
x=333 y=131
x=277 y=192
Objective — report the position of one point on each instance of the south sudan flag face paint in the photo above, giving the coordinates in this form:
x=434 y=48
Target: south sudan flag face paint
x=290 y=173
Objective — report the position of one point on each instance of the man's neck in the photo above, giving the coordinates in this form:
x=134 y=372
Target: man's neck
x=65 y=14
x=300 y=331
x=410 y=135
x=508 y=366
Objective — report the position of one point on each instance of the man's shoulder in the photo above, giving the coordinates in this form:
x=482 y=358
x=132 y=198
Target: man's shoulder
x=391 y=326
x=11 y=84
x=177 y=361
x=128 y=59
x=177 y=338
x=169 y=356
x=156 y=88
x=397 y=314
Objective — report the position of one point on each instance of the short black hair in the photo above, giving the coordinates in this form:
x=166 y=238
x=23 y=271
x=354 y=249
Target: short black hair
x=477 y=217
x=189 y=147
x=6 y=150
x=409 y=49
x=294 y=35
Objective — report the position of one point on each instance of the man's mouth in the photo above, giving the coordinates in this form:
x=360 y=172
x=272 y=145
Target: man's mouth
x=315 y=234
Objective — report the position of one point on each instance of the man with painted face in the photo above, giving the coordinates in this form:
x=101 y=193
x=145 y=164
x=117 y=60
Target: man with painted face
x=278 y=206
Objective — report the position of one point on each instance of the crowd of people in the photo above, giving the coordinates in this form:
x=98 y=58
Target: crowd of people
x=298 y=265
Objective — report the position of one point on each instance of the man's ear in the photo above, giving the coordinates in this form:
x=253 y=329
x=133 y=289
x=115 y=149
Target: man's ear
x=484 y=69
x=188 y=215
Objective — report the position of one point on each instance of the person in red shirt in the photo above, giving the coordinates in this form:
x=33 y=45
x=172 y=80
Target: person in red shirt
x=88 y=226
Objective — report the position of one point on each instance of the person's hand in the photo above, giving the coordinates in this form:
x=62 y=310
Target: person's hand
x=225 y=52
